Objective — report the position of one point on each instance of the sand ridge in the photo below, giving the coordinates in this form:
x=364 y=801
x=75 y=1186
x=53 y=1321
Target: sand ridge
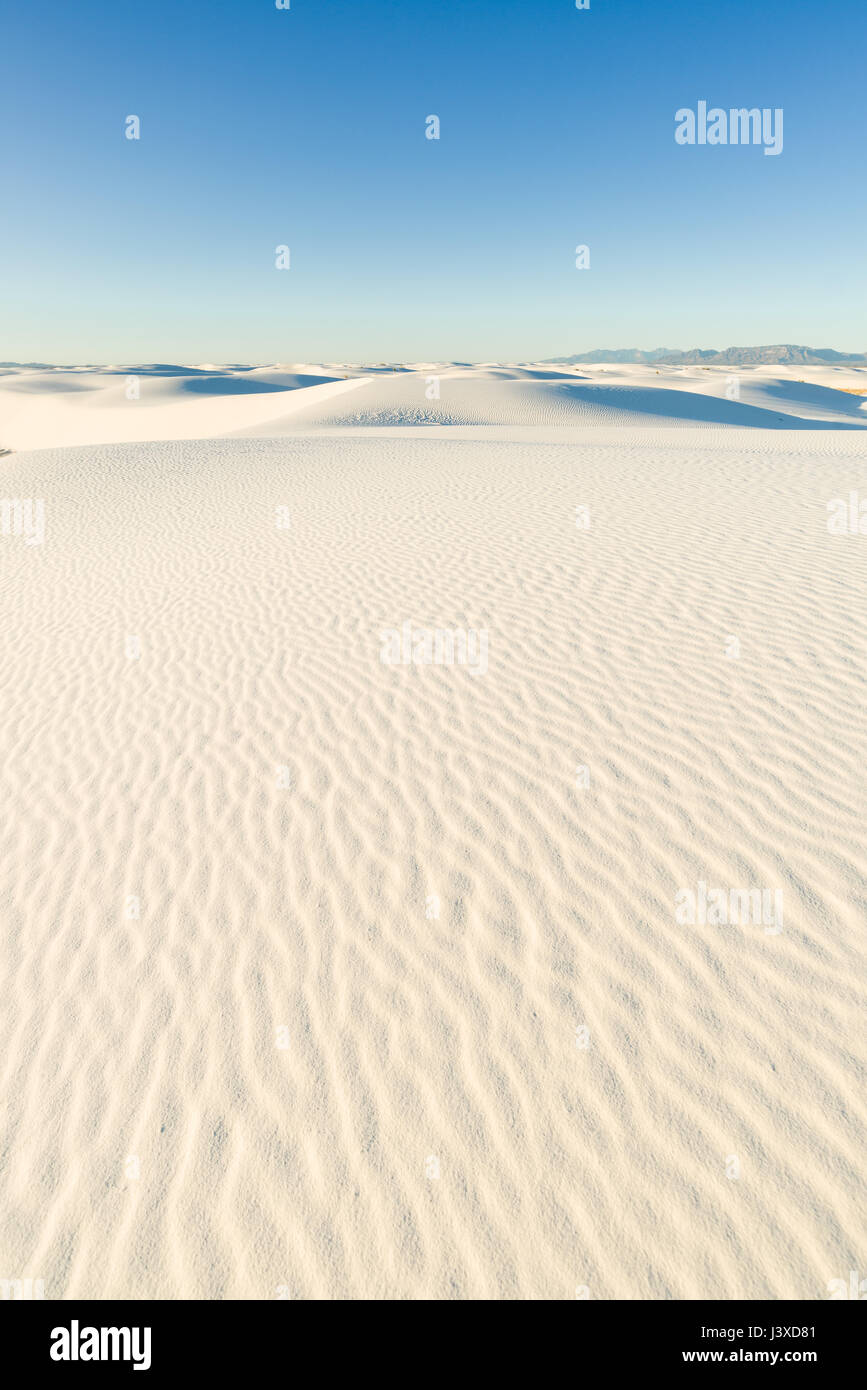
x=65 y=406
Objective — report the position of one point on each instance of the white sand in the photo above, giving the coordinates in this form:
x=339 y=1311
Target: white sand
x=61 y=407
x=156 y=1139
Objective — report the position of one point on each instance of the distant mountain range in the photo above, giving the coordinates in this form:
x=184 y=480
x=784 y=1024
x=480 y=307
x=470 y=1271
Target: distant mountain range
x=782 y=354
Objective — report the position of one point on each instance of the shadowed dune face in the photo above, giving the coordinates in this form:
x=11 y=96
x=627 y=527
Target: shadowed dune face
x=170 y=370
x=40 y=383
x=693 y=407
x=808 y=394
x=251 y=383
x=165 y=369
x=233 y=386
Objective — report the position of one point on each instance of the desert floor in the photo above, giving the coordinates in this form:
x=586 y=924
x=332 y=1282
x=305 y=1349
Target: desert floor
x=324 y=977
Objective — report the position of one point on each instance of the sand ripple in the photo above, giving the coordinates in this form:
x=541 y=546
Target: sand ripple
x=240 y=1091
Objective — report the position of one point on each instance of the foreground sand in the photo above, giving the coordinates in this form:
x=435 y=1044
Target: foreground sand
x=245 y=1051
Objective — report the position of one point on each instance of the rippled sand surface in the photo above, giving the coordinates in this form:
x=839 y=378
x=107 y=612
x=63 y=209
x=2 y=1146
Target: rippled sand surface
x=329 y=977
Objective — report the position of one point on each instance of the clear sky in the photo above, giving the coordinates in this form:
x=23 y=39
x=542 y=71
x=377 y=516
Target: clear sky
x=306 y=127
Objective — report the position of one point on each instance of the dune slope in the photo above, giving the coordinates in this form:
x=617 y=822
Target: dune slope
x=56 y=407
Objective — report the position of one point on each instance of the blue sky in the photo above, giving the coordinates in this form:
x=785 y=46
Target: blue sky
x=306 y=127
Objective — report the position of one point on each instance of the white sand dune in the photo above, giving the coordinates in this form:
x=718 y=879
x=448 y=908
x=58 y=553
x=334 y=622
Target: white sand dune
x=61 y=407
x=47 y=410
x=298 y=946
